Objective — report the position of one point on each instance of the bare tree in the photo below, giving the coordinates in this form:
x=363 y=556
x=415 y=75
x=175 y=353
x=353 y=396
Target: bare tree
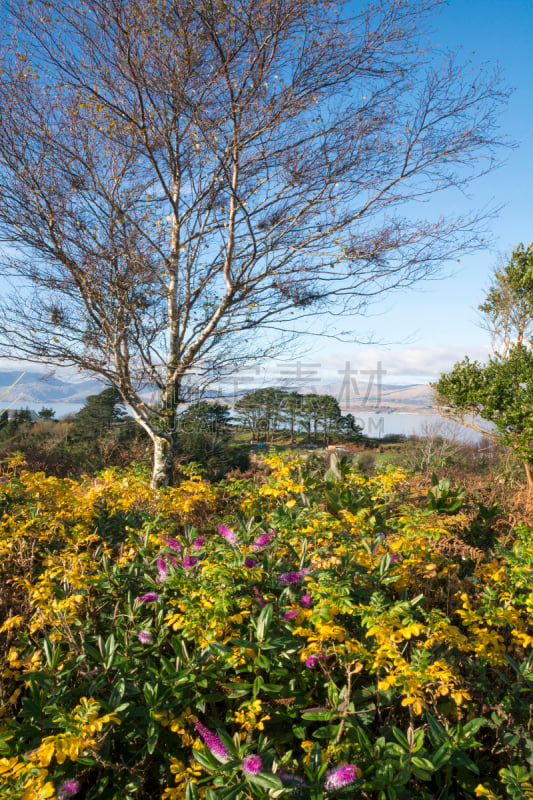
x=434 y=447
x=177 y=174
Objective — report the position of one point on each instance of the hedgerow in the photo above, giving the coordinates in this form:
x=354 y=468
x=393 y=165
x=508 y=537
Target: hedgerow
x=308 y=635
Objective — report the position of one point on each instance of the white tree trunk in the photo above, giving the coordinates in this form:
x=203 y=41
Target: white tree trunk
x=164 y=451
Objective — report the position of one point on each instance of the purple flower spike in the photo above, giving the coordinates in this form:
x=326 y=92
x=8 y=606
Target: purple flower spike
x=292 y=614
x=290 y=578
x=250 y=563
x=287 y=777
x=340 y=777
x=172 y=543
x=228 y=534
x=149 y=597
x=162 y=569
x=252 y=765
x=145 y=637
x=306 y=600
x=311 y=662
x=172 y=561
x=199 y=542
x=259 y=597
x=214 y=743
x=263 y=541
x=68 y=789
x=189 y=561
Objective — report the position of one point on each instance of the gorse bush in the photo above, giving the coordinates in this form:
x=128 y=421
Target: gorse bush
x=308 y=636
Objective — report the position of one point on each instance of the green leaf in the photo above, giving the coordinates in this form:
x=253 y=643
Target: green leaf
x=333 y=694
x=441 y=756
x=205 y=759
x=152 y=737
x=423 y=763
x=401 y=739
x=263 y=621
x=265 y=780
x=230 y=794
x=315 y=759
x=437 y=734
x=238 y=689
x=326 y=732
x=299 y=731
x=320 y=715
x=191 y=792
x=273 y=688
x=473 y=725
x=119 y=687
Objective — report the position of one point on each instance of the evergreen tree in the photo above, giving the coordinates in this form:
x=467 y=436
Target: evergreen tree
x=99 y=414
x=496 y=398
x=46 y=413
x=206 y=418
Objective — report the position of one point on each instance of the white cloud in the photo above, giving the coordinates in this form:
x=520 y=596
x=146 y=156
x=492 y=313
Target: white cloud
x=416 y=364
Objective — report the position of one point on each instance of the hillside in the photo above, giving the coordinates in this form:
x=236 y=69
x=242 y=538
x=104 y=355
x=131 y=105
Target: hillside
x=19 y=388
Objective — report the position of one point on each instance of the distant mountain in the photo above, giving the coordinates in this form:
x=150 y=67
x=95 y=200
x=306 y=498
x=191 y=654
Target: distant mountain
x=417 y=398
x=358 y=397
x=368 y=397
x=19 y=388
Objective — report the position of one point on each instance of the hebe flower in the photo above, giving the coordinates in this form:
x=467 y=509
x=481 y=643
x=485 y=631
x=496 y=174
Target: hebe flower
x=145 y=637
x=214 y=743
x=291 y=614
x=287 y=777
x=290 y=578
x=311 y=662
x=340 y=777
x=250 y=562
x=162 y=569
x=172 y=543
x=252 y=765
x=259 y=597
x=306 y=600
x=68 y=789
x=263 y=541
x=199 y=542
x=149 y=597
x=228 y=534
x=189 y=561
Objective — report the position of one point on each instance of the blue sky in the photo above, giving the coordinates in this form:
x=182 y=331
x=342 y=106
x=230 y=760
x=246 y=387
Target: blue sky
x=434 y=324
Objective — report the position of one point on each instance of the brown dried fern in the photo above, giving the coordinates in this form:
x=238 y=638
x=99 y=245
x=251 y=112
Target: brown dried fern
x=453 y=546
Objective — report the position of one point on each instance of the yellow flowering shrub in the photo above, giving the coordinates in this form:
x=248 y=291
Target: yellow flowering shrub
x=250 y=639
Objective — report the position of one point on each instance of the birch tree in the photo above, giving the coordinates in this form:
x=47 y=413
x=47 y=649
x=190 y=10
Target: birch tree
x=178 y=175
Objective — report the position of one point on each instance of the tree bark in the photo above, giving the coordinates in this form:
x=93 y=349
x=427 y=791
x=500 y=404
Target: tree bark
x=163 y=463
